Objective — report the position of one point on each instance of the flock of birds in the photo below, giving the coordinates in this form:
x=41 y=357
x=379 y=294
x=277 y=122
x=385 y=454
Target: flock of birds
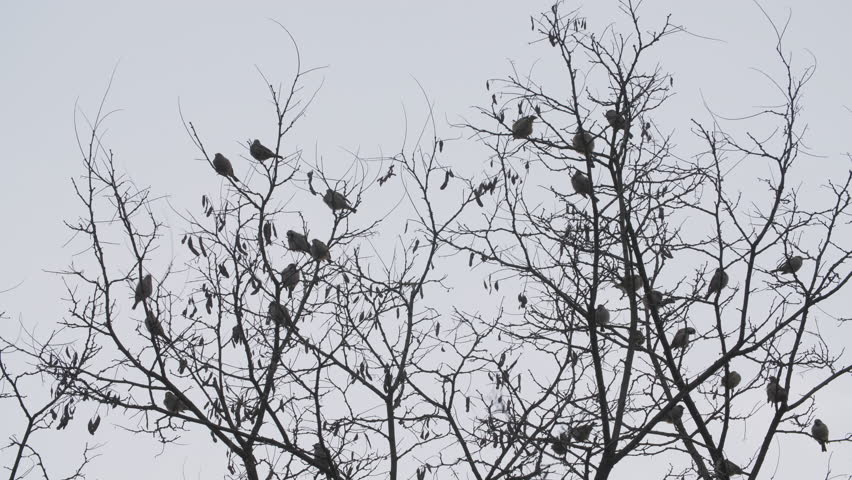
x=290 y=277
x=522 y=128
x=584 y=143
x=775 y=393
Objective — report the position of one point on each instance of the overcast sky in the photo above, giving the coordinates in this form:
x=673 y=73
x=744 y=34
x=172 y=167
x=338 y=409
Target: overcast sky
x=207 y=54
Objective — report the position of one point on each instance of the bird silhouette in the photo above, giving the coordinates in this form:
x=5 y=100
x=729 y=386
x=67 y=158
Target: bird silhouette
x=522 y=128
x=319 y=250
x=173 y=403
x=298 y=242
x=290 y=277
x=790 y=265
x=775 y=393
x=144 y=289
x=336 y=201
x=819 y=431
x=731 y=380
x=616 y=120
x=583 y=142
x=223 y=166
x=681 y=338
x=717 y=283
x=260 y=153
x=583 y=185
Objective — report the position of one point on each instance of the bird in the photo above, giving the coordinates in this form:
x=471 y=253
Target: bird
x=336 y=201
x=728 y=468
x=260 y=152
x=673 y=415
x=583 y=185
x=775 y=393
x=789 y=265
x=731 y=380
x=636 y=338
x=278 y=313
x=152 y=323
x=319 y=250
x=322 y=457
x=522 y=128
x=819 y=431
x=681 y=338
x=581 y=433
x=173 y=403
x=616 y=120
x=290 y=277
x=561 y=443
x=144 y=289
x=298 y=242
x=717 y=283
x=583 y=142
x=653 y=299
x=601 y=316
x=223 y=166
x=629 y=284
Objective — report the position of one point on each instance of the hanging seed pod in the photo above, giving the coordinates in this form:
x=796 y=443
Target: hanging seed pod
x=192 y=248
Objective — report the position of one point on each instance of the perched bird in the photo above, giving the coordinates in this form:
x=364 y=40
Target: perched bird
x=152 y=323
x=278 y=313
x=731 y=380
x=223 y=166
x=601 y=316
x=673 y=415
x=336 y=201
x=583 y=142
x=144 y=289
x=820 y=432
x=298 y=242
x=717 y=283
x=319 y=250
x=173 y=403
x=775 y=393
x=653 y=299
x=259 y=152
x=561 y=443
x=581 y=433
x=790 y=265
x=728 y=468
x=290 y=277
x=322 y=457
x=616 y=120
x=583 y=185
x=629 y=284
x=523 y=127
x=637 y=338
x=681 y=338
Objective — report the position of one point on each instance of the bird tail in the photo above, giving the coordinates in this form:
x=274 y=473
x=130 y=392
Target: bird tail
x=822 y=444
x=134 y=305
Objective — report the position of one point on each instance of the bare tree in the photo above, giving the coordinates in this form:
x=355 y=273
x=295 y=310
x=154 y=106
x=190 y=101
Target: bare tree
x=602 y=234
x=348 y=354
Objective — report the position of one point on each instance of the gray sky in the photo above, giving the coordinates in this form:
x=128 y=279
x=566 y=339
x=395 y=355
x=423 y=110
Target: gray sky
x=205 y=53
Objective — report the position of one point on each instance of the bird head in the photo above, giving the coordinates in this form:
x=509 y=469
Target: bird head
x=690 y=330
